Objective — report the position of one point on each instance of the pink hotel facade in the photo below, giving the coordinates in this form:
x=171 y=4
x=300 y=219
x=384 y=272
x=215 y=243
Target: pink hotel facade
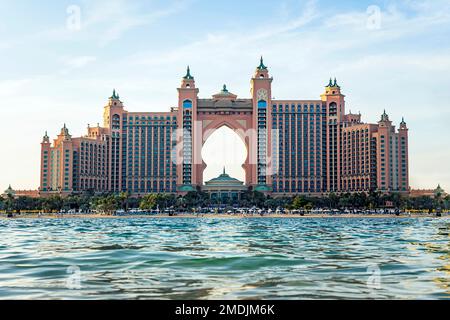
x=294 y=146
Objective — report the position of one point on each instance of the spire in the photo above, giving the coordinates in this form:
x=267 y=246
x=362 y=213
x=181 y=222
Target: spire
x=188 y=75
x=335 y=84
x=65 y=131
x=330 y=84
x=45 y=139
x=224 y=89
x=261 y=65
x=403 y=121
x=224 y=172
x=114 y=96
x=384 y=116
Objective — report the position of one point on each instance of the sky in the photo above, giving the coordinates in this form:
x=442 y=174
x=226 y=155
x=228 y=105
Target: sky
x=60 y=60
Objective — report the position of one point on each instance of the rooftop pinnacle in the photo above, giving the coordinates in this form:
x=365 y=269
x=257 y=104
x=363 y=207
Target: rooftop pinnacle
x=188 y=75
x=261 y=65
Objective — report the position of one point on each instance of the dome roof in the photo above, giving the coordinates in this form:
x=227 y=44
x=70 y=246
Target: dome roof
x=225 y=94
x=224 y=179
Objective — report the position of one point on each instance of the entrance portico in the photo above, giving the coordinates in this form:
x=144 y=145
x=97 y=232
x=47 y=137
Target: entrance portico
x=224 y=188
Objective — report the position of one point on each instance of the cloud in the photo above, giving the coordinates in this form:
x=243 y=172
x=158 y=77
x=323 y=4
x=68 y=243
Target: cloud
x=115 y=18
x=13 y=87
x=78 y=62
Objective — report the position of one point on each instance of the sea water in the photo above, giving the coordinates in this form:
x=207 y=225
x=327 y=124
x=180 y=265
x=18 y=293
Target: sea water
x=204 y=258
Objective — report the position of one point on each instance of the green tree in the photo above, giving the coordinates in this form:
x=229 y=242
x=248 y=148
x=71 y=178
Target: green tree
x=52 y=203
x=124 y=200
x=333 y=200
x=107 y=205
x=447 y=202
x=374 y=199
x=149 y=202
x=196 y=199
x=24 y=203
x=299 y=202
x=254 y=198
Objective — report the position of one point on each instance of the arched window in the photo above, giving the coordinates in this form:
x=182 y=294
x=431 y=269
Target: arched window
x=262 y=104
x=333 y=109
x=116 y=121
x=187 y=104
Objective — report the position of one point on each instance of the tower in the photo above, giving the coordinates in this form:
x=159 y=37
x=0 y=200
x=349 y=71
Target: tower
x=403 y=163
x=62 y=162
x=334 y=102
x=189 y=159
x=260 y=154
x=113 y=112
x=386 y=163
x=113 y=118
x=45 y=163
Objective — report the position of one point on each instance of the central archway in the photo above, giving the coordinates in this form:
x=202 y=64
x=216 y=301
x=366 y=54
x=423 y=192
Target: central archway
x=224 y=148
x=240 y=123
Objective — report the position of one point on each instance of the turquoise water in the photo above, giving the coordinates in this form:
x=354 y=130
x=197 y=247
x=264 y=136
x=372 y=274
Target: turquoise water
x=225 y=259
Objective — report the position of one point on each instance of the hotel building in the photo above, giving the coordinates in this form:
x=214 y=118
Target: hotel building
x=294 y=146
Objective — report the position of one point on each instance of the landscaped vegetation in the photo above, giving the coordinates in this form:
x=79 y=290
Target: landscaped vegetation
x=193 y=201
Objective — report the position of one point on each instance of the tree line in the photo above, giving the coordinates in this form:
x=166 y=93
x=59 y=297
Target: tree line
x=109 y=203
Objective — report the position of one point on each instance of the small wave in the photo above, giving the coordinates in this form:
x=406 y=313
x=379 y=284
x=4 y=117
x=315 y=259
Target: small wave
x=117 y=247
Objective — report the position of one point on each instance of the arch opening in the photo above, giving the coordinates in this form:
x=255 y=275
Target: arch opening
x=224 y=148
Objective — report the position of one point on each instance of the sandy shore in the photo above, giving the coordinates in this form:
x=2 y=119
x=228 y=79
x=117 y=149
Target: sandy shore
x=217 y=216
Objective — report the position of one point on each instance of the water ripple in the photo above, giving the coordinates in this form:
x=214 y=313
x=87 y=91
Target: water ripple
x=224 y=258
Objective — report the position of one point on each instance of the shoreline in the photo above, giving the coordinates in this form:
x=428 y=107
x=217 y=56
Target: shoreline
x=222 y=216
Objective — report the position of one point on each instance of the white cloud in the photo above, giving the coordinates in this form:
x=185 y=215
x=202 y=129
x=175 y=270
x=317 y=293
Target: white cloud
x=78 y=62
x=13 y=87
x=115 y=18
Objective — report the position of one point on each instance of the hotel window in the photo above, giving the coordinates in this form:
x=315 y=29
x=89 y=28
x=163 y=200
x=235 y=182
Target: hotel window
x=262 y=104
x=187 y=104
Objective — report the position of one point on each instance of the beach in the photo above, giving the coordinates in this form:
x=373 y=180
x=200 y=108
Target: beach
x=222 y=216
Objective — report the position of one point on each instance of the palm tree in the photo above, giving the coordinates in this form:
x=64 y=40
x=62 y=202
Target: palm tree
x=124 y=197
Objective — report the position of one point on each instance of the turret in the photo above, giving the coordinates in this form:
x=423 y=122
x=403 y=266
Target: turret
x=46 y=138
x=261 y=90
x=188 y=81
x=332 y=88
x=403 y=125
x=384 y=121
x=189 y=160
x=114 y=100
x=64 y=134
x=112 y=115
x=334 y=100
